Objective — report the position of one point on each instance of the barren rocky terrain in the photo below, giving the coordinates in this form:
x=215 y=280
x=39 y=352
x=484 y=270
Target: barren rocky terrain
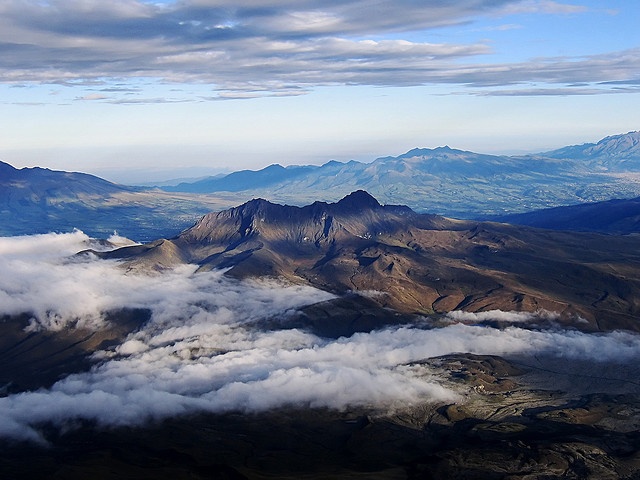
x=524 y=418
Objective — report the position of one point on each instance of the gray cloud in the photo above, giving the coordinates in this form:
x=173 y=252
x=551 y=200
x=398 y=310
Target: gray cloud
x=201 y=351
x=270 y=47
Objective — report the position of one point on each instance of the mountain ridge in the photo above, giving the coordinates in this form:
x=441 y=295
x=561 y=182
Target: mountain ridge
x=626 y=145
x=456 y=183
x=419 y=264
x=40 y=200
x=617 y=216
x=444 y=181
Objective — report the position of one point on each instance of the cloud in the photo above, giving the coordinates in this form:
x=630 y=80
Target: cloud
x=543 y=6
x=498 y=315
x=275 y=45
x=92 y=97
x=553 y=92
x=203 y=350
x=505 y=27
x=38 y=278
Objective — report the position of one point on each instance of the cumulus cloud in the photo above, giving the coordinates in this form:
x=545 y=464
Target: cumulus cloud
x=233 y=46
x=202 y=349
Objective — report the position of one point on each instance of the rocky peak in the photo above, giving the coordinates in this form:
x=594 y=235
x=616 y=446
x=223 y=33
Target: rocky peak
x=358 y=201
x=358 y=215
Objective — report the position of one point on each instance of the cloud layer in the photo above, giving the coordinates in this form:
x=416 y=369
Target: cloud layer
x=280 y=47
x=201 y=351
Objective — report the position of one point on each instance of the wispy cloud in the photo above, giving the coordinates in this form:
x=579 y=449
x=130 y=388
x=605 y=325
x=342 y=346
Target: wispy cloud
x=92 y=97
x=231 y=46
x=543 y=6
x=505 y=27
x=203 y=349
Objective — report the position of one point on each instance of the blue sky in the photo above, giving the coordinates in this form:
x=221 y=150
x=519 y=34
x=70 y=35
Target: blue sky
x=138 y=90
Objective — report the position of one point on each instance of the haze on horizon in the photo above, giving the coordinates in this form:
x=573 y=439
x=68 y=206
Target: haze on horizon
x=136 y=89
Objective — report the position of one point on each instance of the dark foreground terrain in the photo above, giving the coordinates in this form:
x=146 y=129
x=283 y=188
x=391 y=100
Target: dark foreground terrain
x=521 y=419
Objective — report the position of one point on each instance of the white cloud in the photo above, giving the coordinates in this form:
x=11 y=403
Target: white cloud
x=499 y=315
x=203 y=350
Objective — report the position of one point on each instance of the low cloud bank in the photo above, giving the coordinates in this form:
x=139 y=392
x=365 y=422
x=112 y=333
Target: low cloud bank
x=501 y=316
x=202 y=352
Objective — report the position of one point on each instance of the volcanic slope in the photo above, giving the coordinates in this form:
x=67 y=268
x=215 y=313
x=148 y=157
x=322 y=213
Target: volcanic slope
x=414 y=263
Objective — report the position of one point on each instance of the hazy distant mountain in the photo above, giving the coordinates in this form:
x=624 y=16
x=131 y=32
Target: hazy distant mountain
x=242 y=180
x=613 y=216
x=442 y=181
x=423 y=263
x=39 y=200
x=36 y=184
x=452 y=182
x=616 y=153
x=177 y=181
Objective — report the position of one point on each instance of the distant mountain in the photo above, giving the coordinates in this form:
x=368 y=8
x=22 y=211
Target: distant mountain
x=613 y=216
x=39 y=200
x=613 y=153
x=34 y=184
x=452 y=182
x=177 y=181
x=242 y=180
x=419 y=263
x=444 y=181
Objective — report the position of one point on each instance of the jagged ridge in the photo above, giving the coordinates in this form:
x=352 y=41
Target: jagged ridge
x=422 y=263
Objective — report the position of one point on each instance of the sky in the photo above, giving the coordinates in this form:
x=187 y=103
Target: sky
x=136 y=90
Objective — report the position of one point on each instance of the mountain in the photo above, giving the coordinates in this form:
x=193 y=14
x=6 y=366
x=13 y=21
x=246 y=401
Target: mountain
x=32 y=185
x=556 y=397
x=36 y=200
x=242 y=180
x=39 y=200
x=616 y=153
x=419 y=263
x=444 y=181
x=452 y=182
x=619 y=216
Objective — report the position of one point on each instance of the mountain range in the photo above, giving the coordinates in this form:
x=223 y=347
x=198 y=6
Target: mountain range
x=348 y=336
x=452 y=182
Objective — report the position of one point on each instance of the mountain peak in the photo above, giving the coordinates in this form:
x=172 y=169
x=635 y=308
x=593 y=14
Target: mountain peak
x=6 y=169
x=627 y=144
x=359 y=200
x=257 y=223
x=613 y=147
